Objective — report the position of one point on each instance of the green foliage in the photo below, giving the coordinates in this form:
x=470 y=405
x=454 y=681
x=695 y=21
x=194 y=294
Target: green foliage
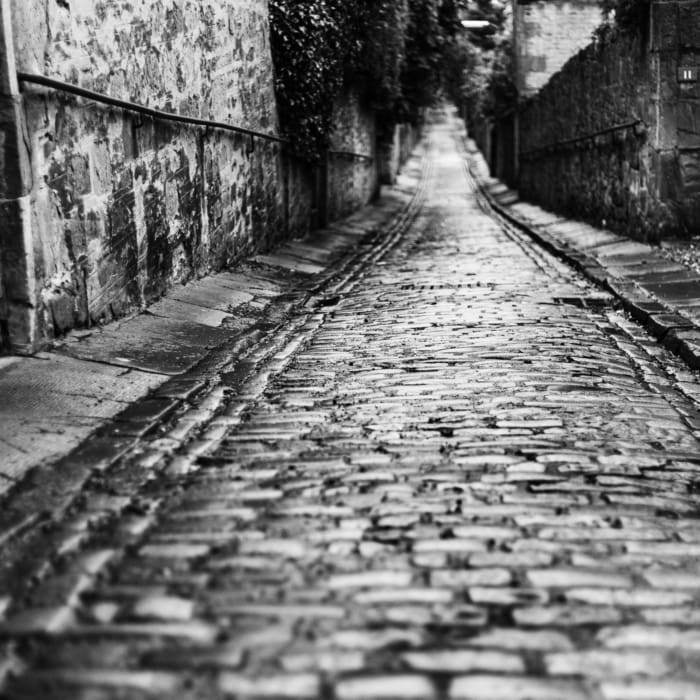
x=628 y=15
x=432 y=25
x=379 y=57
x=480 y=68
x=309 y=51
x=392 y=50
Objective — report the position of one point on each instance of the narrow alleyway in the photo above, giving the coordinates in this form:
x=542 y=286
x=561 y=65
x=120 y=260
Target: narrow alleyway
x=468 y=477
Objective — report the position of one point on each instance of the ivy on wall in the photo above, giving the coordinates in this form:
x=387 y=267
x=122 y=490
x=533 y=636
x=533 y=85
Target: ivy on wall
x=481 y=69
x=628 y=15
x=391 y=50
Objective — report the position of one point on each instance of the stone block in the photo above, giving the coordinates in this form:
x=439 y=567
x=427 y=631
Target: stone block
x=607 y=663
x=690 y=171
x=689 y=25
x=389 y=687
x=665 y=26
x=500 y=687
x=100 y=168
x=534 y=64
x=668 y=130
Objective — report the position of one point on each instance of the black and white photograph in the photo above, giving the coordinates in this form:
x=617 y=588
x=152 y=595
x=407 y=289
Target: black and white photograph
x=349 y=349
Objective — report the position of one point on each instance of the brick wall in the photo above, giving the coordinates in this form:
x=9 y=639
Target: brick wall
x=120 y=207
x=643 y=178
x=547 y=33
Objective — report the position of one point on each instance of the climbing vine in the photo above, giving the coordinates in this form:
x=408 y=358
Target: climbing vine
x=627 y=15
x=623 y=16
x=389 y=49
x=309 y=51
x=480 y=72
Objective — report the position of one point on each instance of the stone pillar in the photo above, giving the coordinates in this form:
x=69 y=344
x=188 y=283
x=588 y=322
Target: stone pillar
x=389 y=155
x=17 y=293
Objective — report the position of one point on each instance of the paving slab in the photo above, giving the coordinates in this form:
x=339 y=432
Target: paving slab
x=667 y=277
x=251 y=282
x=211 y=293
x=671 y=291
x=149 y=343
x=315 y=254
x=646 y=257
x=51 y=402
x=621 y=249
x=184 y=311
x=536 y=215
x=289 y=262
x=585 y=236
x=650 y=271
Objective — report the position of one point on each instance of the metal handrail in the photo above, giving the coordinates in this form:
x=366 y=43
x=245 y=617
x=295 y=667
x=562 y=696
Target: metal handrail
x=141 y=109
x=351 y=154
x=586 y=137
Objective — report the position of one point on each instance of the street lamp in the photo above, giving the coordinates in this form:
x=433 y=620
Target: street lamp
x=476 y=23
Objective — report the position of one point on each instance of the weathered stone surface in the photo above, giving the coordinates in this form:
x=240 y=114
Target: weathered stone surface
x=547 y=35
x=164 y=608
x=386 y=688
x=294 y=686
x=599 y=143
x=462 y=559
x=51 y=403
x=607 y=664
x=463 y=661
x=122 y=209
x=516 y=688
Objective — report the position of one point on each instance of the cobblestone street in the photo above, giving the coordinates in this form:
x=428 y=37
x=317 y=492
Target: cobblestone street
x=466 y=475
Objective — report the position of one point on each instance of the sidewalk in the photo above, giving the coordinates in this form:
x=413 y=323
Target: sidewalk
x=662 y=294
x=116 y=383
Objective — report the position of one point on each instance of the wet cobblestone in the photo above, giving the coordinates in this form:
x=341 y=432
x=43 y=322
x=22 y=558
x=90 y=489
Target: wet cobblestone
x=468 y=477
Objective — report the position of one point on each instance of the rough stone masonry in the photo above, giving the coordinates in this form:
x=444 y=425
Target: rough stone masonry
x=114 y=209
x=465 y=476
x=613 y=137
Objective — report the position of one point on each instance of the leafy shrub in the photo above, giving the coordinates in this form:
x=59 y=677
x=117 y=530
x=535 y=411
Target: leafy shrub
x=481 y=72
x=392 y=50
x=629 y=15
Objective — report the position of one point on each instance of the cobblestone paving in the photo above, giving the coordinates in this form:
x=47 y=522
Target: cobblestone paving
x=470 y=479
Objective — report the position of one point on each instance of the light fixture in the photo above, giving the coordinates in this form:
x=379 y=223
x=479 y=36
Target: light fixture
x=475 y=23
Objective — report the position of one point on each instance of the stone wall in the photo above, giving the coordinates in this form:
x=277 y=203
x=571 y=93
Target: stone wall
x=575 y=159
x=352 y=181
x=675 y=45
x=546 y=34
x=614 y=137
x=120 y=207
